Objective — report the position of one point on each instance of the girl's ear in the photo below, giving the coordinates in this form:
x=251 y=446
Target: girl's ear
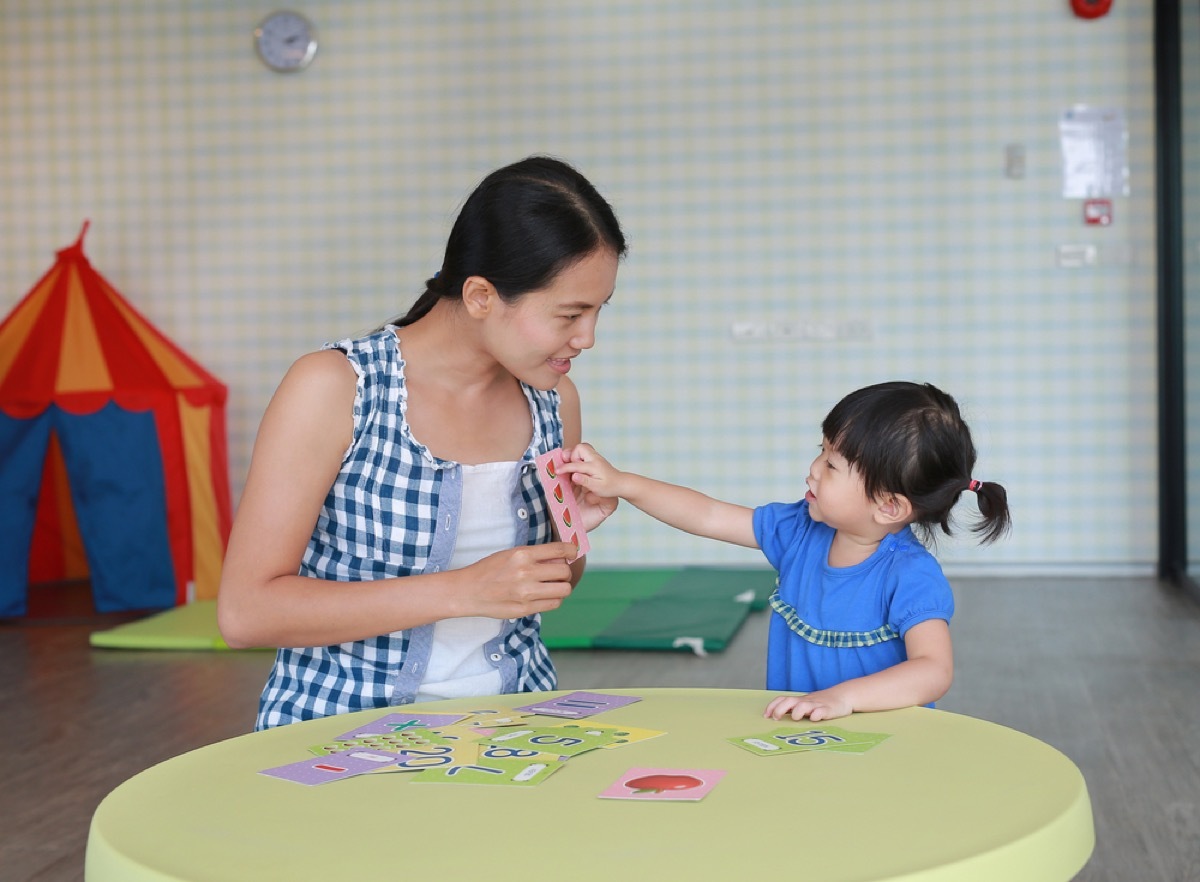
x=479 y=296
x=893 y=509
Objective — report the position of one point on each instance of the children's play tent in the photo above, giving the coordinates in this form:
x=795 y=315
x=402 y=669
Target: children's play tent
x=113 y=453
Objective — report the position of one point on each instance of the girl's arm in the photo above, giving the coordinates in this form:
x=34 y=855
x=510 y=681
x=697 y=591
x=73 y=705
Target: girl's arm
x=679 y=507
x=924 y=677
x=263 y=602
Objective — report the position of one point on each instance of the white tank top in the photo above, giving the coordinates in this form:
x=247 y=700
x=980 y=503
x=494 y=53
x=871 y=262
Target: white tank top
x=458 y=666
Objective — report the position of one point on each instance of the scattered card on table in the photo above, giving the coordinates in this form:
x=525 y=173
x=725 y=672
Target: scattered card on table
x=398 y=722
x=678 y=785
x=334 y=767
x=797 y=740
x=576 y=705
x=623 y=734
x=402 y=741
x=460 y=754
x=560 y=496
x=494 y=719
x=502 y=772
x=552 y=740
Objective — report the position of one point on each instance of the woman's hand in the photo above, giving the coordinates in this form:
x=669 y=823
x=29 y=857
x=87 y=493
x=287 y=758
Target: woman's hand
x=517 y=582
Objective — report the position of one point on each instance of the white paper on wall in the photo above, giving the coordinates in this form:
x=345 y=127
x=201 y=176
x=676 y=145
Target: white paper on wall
x=1095 y=152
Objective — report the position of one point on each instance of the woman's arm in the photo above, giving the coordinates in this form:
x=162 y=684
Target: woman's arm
x=680 y=507
x=924 y=677
x=263 y=602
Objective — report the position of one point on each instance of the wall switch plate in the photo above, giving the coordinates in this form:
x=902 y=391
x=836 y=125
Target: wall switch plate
x=748 y=330
x=1075 y=256
x=786 y=330
x=855 y=329
x=1014 y=161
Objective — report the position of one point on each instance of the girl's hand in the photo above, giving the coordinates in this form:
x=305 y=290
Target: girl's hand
x=592 y=472
x=518 y=582
x=823 y=705
x=593 y=509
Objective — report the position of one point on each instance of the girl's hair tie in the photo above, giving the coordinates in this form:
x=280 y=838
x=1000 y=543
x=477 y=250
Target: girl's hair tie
x=974 y=485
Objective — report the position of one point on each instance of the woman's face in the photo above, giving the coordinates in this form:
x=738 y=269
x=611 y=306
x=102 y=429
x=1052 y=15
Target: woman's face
x=540 y=334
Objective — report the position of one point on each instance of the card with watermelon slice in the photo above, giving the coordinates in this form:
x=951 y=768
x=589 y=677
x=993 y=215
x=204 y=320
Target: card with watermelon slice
x=560 y=497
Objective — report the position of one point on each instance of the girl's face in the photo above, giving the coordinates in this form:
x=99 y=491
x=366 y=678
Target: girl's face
x=544 y=330
x=836 y=494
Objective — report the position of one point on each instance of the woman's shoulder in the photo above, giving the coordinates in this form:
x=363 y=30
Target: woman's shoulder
x=321 y=375
x=380 y=342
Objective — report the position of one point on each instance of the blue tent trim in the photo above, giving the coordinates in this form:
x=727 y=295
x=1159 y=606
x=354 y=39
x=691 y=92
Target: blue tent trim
x=115 y=471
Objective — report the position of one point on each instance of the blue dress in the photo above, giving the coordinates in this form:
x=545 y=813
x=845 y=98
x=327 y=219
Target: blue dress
x=832 y=624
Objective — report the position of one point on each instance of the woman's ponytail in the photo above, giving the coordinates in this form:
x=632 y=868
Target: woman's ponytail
x=423 y=304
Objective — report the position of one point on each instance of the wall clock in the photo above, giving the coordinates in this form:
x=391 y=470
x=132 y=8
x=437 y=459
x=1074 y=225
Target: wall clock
x=286 y=41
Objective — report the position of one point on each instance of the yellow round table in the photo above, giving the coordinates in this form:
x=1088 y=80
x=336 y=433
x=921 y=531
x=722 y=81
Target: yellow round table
x=944 y=797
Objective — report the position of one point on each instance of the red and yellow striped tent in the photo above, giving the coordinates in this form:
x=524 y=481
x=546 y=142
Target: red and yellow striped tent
x=113 y=452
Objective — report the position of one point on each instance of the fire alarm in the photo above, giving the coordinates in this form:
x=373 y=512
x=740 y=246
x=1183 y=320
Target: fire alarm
x=1098 y=212
x=1091 y=8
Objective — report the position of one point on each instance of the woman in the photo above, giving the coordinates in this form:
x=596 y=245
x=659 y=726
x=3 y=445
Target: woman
x=392 y=539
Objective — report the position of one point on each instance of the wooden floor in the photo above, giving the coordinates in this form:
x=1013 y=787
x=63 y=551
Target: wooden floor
x=1105 y=670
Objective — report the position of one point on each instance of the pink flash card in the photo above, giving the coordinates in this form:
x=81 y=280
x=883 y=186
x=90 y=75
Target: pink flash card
x=560 y=496
x=686 y=785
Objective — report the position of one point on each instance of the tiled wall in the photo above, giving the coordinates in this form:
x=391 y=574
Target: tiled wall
x=837 y=166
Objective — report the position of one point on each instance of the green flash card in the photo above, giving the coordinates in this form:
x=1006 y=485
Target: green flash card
x=798 y=740
x=503 y=772
x=554 y=740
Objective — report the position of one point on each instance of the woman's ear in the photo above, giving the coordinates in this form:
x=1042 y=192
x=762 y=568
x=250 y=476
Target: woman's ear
x=479 y=296
x=893 y=509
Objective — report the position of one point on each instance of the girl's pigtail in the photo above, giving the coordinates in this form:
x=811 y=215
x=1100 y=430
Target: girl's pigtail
x=993 y=506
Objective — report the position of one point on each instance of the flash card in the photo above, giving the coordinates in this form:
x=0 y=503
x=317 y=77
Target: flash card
x=512 y=772
x=434 y=757
x=622 y=734
x=554 y=741
x=576 y=705
x=676 y=785
x=403 y=741
x=494 y=719
x=399 y=722
x=560 y=496
x=794 y=740
x=334 y=767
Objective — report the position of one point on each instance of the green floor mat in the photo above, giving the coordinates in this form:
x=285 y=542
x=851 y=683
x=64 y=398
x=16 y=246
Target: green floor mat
x=690 y=608
x=185 y=627
x=698 y=609
x=599 y=599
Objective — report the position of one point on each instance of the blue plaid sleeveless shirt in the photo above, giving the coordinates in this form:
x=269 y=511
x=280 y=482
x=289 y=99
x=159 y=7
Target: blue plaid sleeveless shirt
x=393 y=511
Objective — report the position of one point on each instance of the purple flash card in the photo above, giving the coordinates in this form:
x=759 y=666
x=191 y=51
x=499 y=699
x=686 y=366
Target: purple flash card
x=398 y=722
x=333 y=766
x=577 y=705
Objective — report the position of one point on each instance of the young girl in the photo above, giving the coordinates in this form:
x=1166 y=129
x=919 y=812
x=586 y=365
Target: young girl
x=392 y=539
x=862 y=609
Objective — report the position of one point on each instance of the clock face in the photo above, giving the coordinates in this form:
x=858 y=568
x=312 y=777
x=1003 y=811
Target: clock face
x=286 y=41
